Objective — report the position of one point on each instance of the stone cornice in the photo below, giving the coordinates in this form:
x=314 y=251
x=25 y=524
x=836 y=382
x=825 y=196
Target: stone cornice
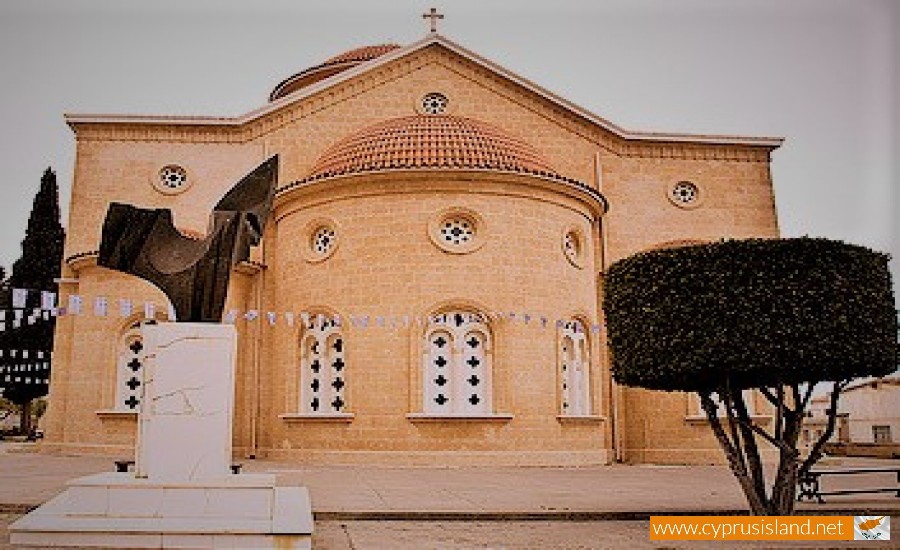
x=302 y=194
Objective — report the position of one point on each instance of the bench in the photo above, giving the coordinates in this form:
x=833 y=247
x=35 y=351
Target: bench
x=810 y=488
x=127 y=465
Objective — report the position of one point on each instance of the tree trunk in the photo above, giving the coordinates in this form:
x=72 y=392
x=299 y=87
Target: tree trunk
x=784 y=489
x=25 y=418
x=735 y=458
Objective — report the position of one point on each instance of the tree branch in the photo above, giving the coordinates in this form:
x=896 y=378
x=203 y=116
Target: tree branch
x=768 y=395
x=751 y=449
x=818 y=448
x=732 y=421
x=807 y=396
x=779 y=413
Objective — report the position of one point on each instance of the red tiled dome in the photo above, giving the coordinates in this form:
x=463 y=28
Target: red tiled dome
x=361 y=54
x=330 y=67
x=430 y=141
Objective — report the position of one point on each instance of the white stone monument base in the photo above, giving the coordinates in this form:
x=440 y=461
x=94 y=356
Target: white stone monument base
x=118 y=510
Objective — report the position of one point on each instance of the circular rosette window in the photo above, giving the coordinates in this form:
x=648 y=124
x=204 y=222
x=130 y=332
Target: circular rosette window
x=321 y=240
x=434 y=103
x=171 y=179
x=457 y=230
x=684 y=194
x=574 y=246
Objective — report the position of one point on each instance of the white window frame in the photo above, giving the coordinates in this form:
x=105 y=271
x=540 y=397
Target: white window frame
x=573 y=369
x=124 y=373
x=458 y=389
x=321 y=335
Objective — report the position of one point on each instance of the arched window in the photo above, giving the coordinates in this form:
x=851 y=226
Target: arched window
x=323 y=379
x=130 y=369
x=574 y=360
x=457 y=365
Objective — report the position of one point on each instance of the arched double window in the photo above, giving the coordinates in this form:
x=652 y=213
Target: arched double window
x=574 y=360
x=129 y=369
x=323 y=372
x=457 y=365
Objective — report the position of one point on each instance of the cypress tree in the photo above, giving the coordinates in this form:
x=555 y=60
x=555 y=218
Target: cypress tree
x=35 y=270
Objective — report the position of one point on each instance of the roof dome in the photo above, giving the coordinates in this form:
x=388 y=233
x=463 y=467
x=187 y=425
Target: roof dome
x=430 y=141
x=330 y=67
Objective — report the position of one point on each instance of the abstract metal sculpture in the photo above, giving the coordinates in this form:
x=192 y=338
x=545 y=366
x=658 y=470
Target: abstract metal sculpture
x=193 y=273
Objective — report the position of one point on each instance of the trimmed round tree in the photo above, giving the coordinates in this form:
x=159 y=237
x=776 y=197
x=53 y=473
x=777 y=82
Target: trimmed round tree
x=774 y=315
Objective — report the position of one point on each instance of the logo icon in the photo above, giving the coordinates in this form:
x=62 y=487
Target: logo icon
x=872 y=528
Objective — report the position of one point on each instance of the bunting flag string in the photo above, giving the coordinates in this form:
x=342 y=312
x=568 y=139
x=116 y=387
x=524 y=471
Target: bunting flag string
x=18 y=366
x=104 y=306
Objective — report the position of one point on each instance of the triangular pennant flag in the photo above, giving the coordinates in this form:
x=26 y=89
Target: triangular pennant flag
x=48 y=300
x=19 y=297
x=75 y=304
x=100 y=306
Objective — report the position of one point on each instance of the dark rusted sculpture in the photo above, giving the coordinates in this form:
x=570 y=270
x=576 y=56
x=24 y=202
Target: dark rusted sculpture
x=193 y=273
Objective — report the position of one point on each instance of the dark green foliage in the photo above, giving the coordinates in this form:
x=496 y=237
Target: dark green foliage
x=759 y=312
x=36 y=269
x=42 y=247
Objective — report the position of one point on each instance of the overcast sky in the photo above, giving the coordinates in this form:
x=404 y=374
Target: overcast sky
x=821 y=73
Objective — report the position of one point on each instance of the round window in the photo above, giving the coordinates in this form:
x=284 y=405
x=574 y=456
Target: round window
x=434 y=104
x=172 y=177
x=322 y=240
x=573 y=247
x=456 y=230
x=684 y=194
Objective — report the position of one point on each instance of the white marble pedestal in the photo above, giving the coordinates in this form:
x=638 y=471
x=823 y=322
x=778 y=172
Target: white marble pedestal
x=182 y=494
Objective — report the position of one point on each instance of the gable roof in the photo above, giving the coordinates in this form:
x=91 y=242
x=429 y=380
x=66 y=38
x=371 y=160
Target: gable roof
x=390 y=56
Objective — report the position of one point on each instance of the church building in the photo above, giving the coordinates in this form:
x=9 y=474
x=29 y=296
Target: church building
x=427 y=290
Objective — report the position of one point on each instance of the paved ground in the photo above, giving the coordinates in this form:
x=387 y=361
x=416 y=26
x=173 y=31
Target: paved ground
x=368 y=507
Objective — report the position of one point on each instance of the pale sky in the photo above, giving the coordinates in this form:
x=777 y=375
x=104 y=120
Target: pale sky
x=821 y=73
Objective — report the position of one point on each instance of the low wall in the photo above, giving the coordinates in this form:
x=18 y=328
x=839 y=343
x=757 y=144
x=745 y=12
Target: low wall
x=872 y=450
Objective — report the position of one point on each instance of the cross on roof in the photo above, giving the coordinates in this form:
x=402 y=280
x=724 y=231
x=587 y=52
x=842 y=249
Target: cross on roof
x=434 y=16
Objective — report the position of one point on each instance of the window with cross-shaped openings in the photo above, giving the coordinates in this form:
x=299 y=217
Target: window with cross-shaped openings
x=457 y=365
x=574 y=369
x=130 y=369
x=323 y=377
